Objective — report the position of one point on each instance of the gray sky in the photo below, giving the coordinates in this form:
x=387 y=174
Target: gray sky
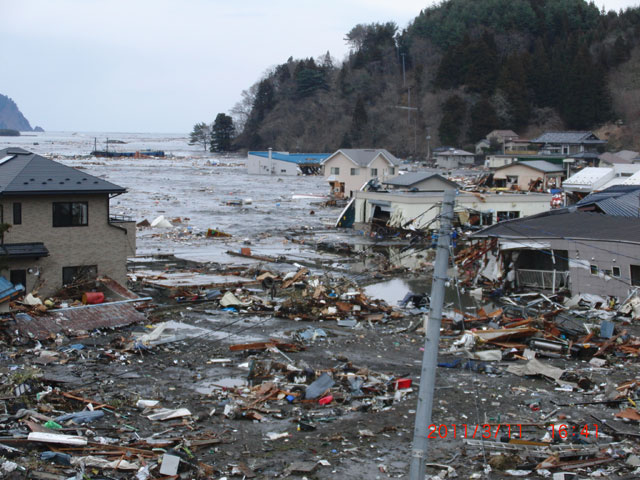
x=163 y=65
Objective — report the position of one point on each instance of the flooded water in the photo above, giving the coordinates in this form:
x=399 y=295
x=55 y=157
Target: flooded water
x=393 y=291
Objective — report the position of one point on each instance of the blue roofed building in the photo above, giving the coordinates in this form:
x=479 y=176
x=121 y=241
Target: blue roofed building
x=285 y=163
x=8 y=291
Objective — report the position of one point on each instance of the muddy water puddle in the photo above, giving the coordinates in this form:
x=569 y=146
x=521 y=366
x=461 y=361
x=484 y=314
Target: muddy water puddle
x=393 y=291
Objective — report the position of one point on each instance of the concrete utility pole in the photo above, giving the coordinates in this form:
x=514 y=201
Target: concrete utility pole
x=431 y=341
x=404 y=78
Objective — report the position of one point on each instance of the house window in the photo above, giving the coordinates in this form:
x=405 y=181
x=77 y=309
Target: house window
x=635 y=275
x=392 y=170
x=70 y=214
x=374 y=172
x=594 y=269
x=502 y=216
x=512 y=179
x=615 y=271
x=355 y=171
x=335 y=171
x=77 y=274
x=283 y=170
x=17 y=213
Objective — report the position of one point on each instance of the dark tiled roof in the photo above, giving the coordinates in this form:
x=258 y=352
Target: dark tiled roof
x=619 y=200
x=409 y=179
x=24 y=250
x=25 y=173
x=568 y=225
x=568 y=137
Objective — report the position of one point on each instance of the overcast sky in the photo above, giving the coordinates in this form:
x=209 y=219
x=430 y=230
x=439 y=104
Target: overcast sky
x=163 y=65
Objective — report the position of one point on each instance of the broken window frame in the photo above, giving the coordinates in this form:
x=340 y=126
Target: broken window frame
x=76 y=214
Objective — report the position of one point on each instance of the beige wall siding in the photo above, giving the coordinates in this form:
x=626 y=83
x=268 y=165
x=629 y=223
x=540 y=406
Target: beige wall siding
x=99 y=243
x=353 y=183
x=525 y=175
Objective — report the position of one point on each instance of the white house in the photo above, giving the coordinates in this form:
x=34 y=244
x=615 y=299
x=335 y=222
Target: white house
x=453 y=158
x=348 y=170
x=284 y=163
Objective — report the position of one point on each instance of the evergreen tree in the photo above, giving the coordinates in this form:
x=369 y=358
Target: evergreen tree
x=454 y=111
x=222 y=134
x=358 y=121
x=513 y=83
x=200 y=135
x=481 y=64
x=264 y=100
x=484 y=119
x=539 y=75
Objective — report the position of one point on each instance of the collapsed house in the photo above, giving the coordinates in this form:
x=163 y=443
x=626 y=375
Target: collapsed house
x=584 y=253
x=418 y=210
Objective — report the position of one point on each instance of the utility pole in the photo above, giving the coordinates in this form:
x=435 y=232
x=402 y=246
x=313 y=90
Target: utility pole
x=431 y=341
x=404 y=78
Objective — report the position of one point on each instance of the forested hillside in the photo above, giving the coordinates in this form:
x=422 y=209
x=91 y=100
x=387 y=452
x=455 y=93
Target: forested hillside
x=459 y=70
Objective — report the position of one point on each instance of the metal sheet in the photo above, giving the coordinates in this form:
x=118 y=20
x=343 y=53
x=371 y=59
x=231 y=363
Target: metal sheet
x=91 y=317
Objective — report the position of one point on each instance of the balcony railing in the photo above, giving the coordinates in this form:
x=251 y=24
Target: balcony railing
x=543 y=279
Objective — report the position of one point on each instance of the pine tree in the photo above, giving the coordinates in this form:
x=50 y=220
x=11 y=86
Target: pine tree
x=200 y=135
x=222 y=134
x=484 y=119
x=454 y=111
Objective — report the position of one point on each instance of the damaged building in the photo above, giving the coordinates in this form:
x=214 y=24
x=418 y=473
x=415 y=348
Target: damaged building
x=584 y=253
x=417 y=210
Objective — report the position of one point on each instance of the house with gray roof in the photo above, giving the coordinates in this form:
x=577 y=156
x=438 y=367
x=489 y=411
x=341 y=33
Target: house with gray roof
x=453 y=158
x=533 y=175
x=568 y=143
x=349 y=169
x=420 y=181
x=609 y=159
x=618 y=200
x=61 y=229
x=578 y=251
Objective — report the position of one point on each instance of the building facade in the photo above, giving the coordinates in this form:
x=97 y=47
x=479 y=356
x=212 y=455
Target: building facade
x=348 y=170
x=60 y=224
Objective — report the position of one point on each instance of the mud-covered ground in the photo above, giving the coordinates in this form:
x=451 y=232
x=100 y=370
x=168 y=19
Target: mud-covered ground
x=355 y=436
